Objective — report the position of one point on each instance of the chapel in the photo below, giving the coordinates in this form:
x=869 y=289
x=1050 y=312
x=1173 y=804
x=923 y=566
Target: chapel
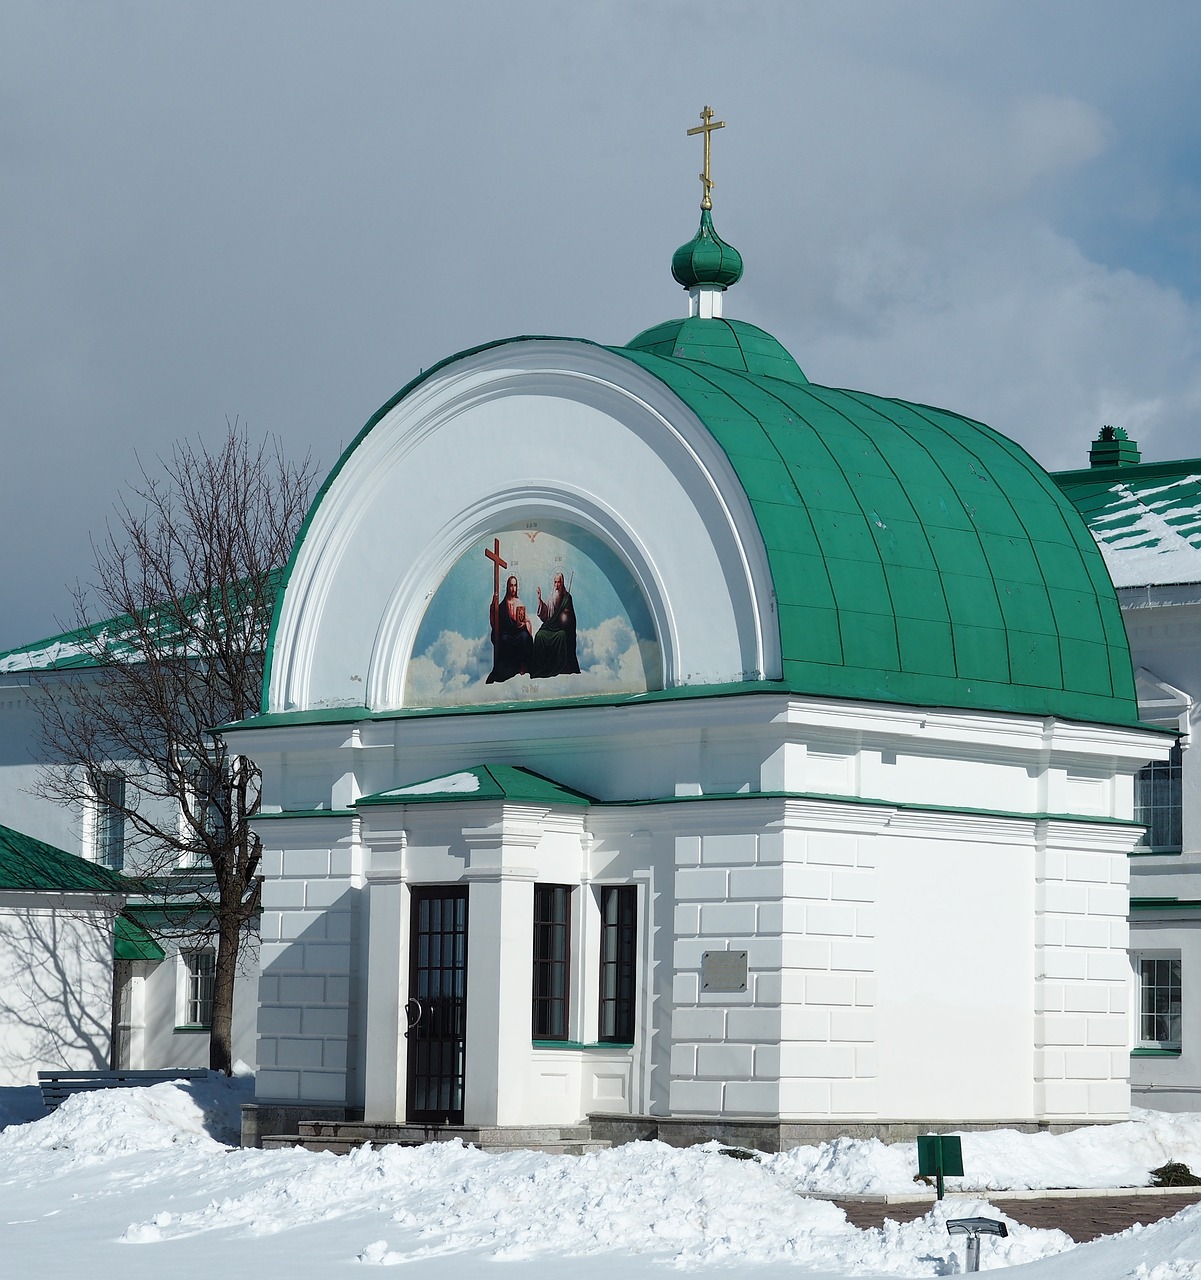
x=724 y=755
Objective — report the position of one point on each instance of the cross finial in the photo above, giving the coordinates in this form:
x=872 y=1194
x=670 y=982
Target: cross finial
x=707 y=127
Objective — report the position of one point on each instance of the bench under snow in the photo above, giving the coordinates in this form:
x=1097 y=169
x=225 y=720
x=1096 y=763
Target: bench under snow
x=57 y=1086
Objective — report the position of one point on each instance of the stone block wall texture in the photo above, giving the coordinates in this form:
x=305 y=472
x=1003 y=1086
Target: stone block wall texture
x=308 y=955
x=800 y=1040
x=1082 y=981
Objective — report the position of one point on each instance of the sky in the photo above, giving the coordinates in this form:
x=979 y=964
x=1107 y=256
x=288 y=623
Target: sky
x=280 y=212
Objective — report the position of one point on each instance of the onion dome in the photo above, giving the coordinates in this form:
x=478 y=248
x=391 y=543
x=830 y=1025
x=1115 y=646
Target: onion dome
x=706 y=259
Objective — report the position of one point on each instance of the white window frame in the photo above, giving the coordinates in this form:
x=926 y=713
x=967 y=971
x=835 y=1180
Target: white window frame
x=188 y=859
x=194 y=988
x=103 y=814
x=1151 y=965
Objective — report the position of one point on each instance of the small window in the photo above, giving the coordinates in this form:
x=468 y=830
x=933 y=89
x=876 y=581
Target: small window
x=552 y=960
x=110 y=822
x=205 y=798
x=1157 y=796
x=1159 y=1001
x=618 y=963
x=200 y=968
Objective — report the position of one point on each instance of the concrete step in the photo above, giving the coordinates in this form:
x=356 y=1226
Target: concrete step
x=342 y=1136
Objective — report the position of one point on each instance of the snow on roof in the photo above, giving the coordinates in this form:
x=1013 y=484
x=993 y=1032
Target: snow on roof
x=1146 y=519
x=115 y=639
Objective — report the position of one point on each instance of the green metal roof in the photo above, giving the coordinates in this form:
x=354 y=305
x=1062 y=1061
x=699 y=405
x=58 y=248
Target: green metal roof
x=483 y=782
x=30 y=864
x=1145 y=516
x=918 y=556
x=730 y=344
x=132 y=942
x=114 y=640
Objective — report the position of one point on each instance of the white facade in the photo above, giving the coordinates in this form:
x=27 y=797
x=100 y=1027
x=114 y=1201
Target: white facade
x=847 y=911
x=151 y=1027
x=907 y=958
x=55 y=983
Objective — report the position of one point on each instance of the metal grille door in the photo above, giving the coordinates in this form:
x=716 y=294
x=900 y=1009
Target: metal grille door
x=436 y=1011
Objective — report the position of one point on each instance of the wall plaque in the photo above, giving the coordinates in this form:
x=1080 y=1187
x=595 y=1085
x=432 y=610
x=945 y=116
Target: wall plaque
x=723 y=971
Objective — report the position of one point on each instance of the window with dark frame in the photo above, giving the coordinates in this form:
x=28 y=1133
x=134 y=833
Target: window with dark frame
x=1159 y=1002
x=618 y=962
x=552 y=961
x=202 y=973
x=110 y=822
x=1157 y=803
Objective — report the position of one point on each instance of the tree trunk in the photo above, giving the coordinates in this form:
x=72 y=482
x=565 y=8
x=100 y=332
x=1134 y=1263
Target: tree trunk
x=229 y=941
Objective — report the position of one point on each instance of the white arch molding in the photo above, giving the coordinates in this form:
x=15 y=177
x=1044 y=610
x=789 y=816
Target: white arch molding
x=532 y=429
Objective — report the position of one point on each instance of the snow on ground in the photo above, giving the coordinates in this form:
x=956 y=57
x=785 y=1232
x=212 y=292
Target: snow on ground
x=146 y=1183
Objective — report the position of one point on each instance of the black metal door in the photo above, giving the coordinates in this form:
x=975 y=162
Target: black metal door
x=436 y=1011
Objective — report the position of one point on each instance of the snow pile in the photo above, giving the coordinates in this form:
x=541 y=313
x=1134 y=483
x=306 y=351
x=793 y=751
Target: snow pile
x=95 y=1127
x=1118 y=1155
x=141 y=1183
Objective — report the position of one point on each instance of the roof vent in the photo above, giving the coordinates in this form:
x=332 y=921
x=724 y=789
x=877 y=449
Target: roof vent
x=1113 y=448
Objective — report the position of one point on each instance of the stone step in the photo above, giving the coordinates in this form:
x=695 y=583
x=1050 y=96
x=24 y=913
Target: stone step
x=342 y=1135
x=486 y=1136
x=342 y=1145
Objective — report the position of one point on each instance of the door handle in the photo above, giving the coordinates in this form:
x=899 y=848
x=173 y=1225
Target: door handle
x=413 y=1013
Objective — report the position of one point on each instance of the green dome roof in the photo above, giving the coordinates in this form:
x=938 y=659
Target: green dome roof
x=917 y=556
x=731 y=344
x=706 y=258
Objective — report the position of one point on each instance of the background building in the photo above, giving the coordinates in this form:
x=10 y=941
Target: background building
x=1146 y=518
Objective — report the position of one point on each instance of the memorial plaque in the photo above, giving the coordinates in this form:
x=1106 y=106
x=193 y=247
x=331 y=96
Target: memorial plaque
x=723 y=971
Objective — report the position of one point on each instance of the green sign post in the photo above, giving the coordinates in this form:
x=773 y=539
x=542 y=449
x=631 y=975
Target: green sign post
x=940 y=1155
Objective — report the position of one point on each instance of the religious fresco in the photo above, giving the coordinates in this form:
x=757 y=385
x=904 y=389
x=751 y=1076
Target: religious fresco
x=540 y=610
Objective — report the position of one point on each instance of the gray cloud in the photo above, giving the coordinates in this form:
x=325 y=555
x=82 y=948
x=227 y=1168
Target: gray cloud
x=284 y=210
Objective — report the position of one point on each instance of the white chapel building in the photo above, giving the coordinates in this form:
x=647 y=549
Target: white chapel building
x=654 y=737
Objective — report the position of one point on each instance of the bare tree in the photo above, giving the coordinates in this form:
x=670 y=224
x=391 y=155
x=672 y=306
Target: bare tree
x=185 y=581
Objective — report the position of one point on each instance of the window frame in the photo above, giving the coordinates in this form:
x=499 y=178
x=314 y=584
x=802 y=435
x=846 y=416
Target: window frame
x=108 y=832
x=550 y=1011
x=193 y=996
x=1173 y=1010
x=1158 y=804
x=618 y=995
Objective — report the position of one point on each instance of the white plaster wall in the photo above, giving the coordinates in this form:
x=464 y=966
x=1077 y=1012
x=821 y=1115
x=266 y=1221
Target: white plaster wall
x=1170 y=1083
x=55 y=985
x=956 y=932
x=162 y=1042
x=588 y=437
x=896 y=952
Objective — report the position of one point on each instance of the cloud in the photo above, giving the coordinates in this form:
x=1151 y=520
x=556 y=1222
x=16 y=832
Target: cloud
x=453 y=670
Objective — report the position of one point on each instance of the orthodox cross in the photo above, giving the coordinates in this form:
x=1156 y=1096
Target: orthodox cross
x=707 y=129
x=498 y=564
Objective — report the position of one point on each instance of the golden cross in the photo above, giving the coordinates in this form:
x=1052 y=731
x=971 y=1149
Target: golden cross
x=707 y=129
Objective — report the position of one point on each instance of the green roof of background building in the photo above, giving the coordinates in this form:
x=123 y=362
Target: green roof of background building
x=1146 y=516
x=93 y=645
x=30 y=864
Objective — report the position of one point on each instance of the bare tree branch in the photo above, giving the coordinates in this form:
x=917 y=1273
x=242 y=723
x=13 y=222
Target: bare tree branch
x=185 y=580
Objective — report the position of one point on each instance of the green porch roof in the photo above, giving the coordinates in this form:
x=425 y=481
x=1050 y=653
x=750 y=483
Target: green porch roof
x=482 y=782
x=30 y=864
x=132 y=942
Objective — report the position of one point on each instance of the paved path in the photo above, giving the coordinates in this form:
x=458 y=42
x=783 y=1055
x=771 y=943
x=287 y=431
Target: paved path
x=1084 y=1218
